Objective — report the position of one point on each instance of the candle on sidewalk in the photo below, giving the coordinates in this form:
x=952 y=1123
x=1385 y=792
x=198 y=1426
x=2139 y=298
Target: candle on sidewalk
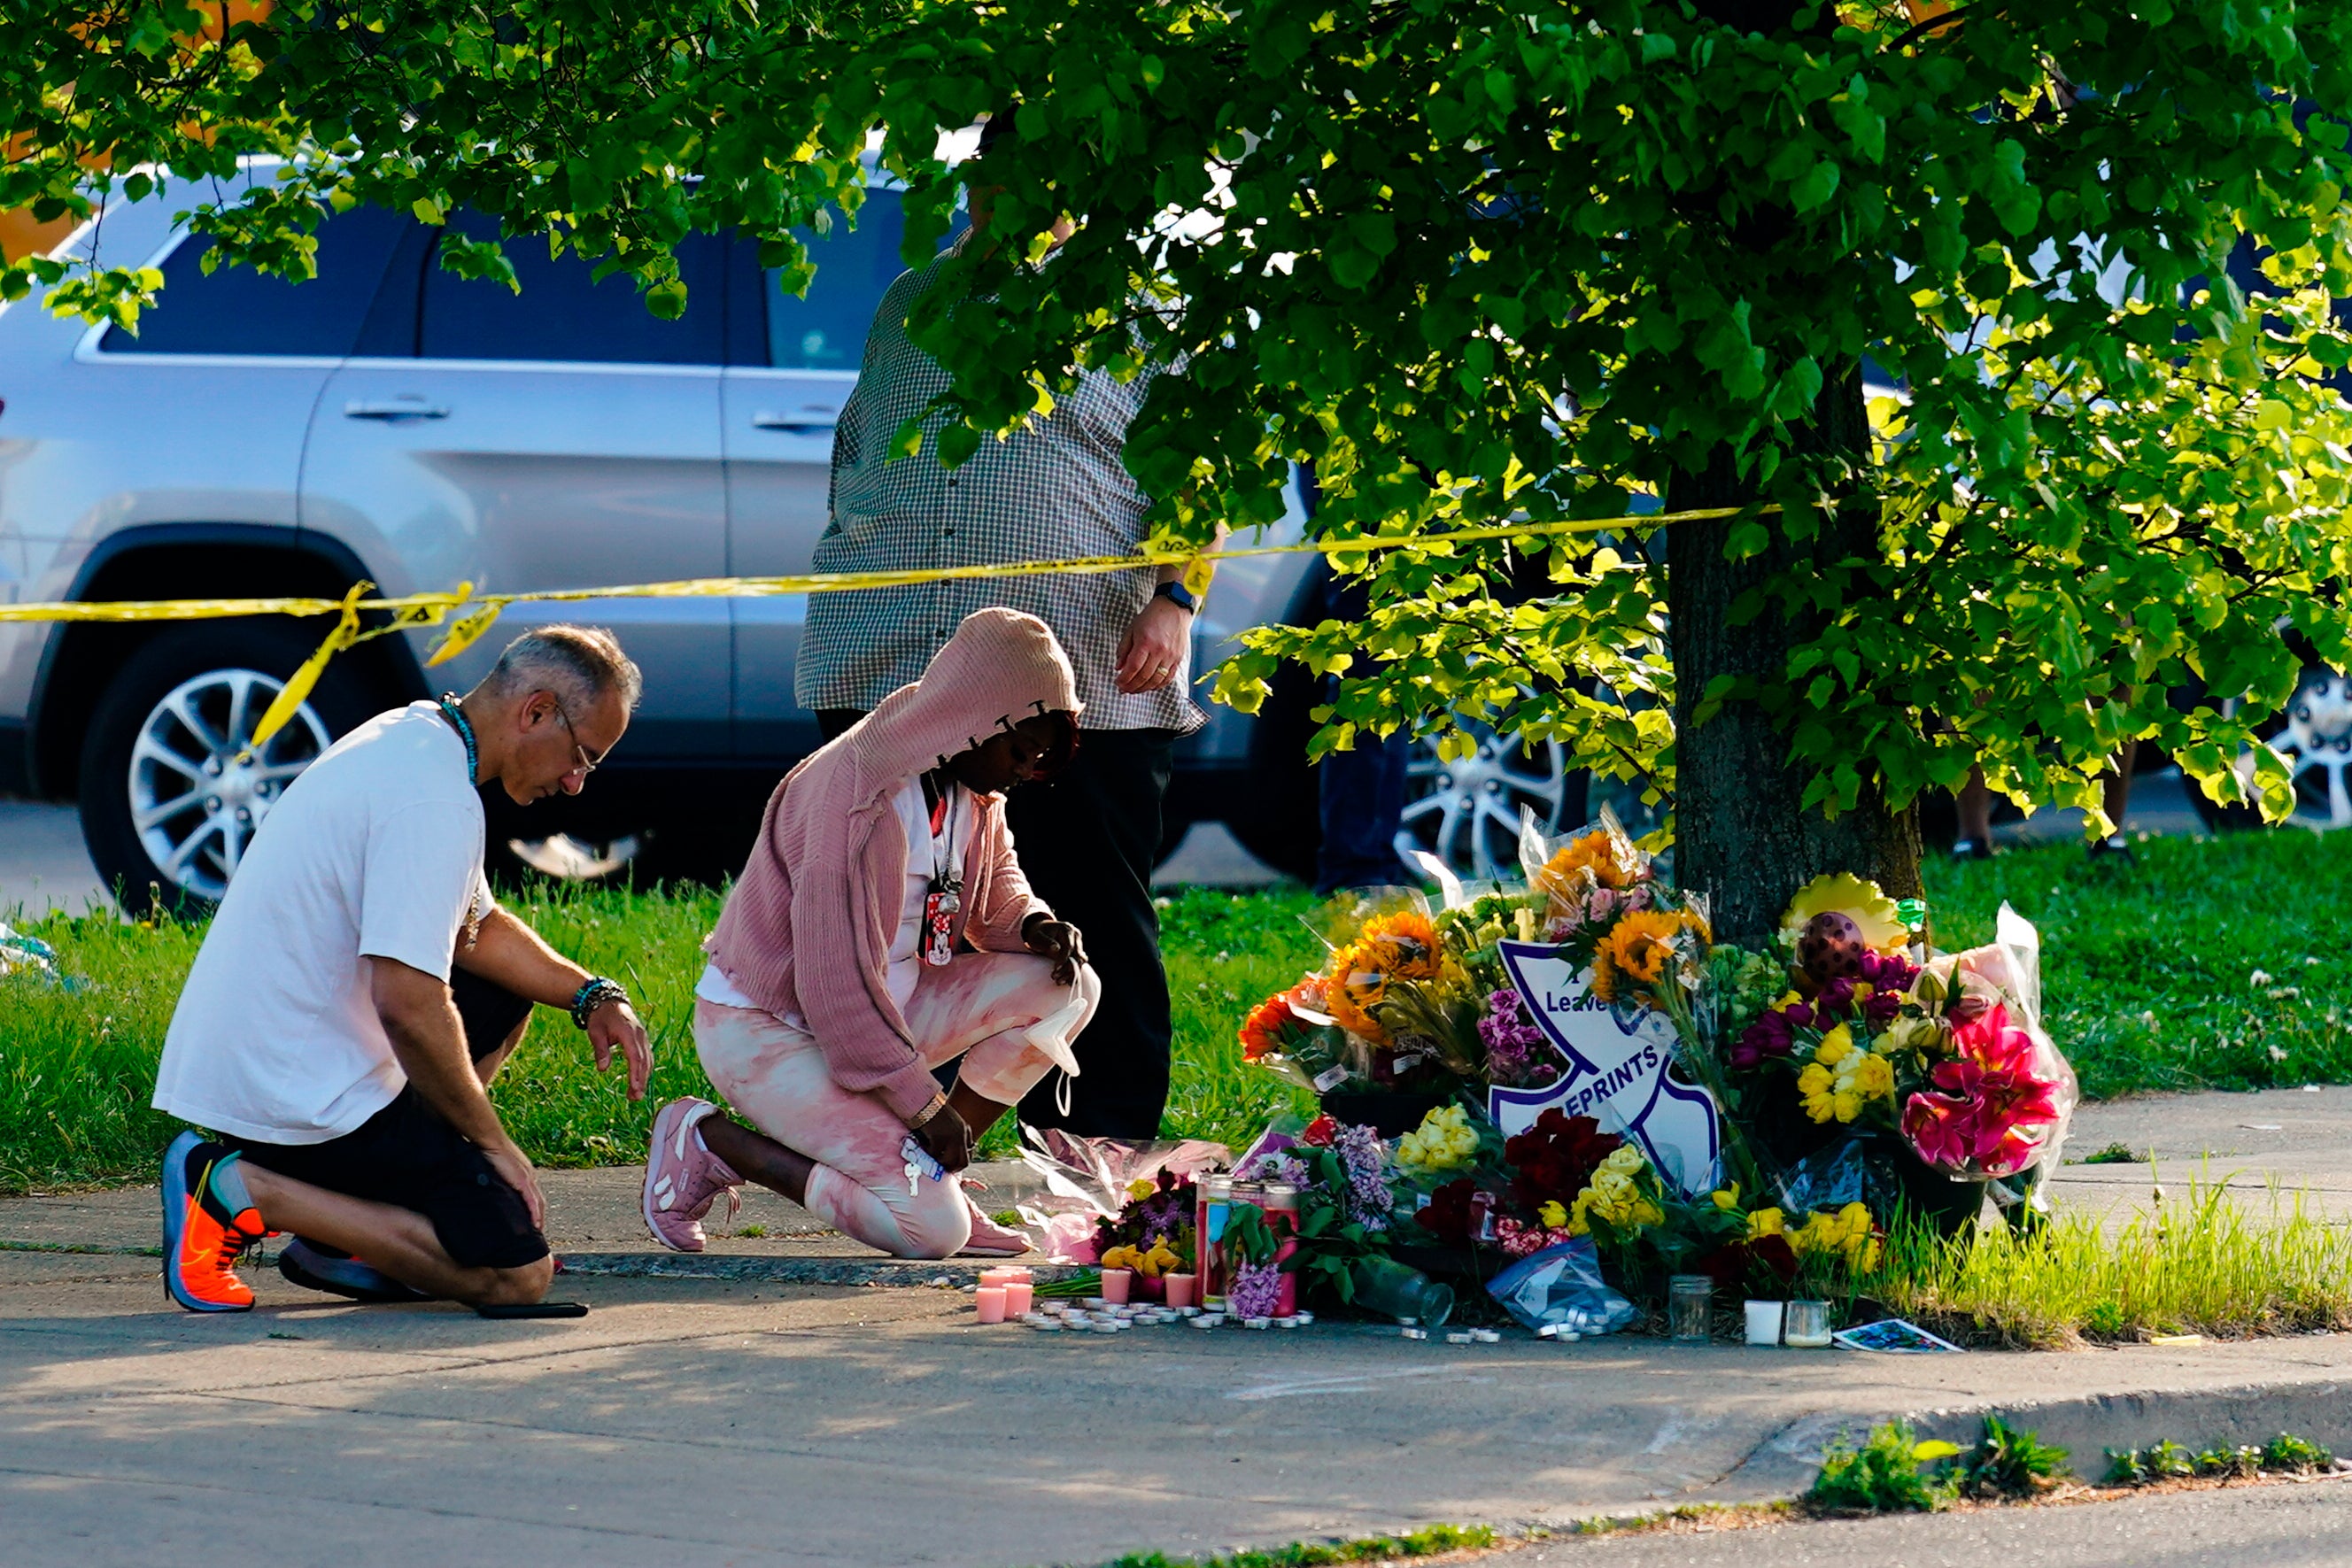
x=1115 y=1284
x=989 y=1301
x=1018 y=1296
x=1179 y=1290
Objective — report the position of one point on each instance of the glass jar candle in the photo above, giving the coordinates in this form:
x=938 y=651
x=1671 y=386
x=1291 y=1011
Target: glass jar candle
x=1215 y=1204
x=1690 y=1303
x=1282 y=1218
x=1807 y=1325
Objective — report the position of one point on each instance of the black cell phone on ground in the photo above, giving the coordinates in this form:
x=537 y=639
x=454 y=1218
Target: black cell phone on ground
x=536 y=1310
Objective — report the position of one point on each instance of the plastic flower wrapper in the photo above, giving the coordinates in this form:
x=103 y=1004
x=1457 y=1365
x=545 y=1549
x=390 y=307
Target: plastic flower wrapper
x=1568 y=871
x=1290 y=1035
x=1088 y=1181
x=1434 y=1035
x=1391 y=950
x=1157 y=1219
x=2004 y=1099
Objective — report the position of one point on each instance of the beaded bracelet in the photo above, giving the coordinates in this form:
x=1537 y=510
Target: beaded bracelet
x=594 y=993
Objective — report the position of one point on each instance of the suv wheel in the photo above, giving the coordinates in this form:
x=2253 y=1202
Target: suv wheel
x=170 y=797
x=1466 y=811
x=2315 y=738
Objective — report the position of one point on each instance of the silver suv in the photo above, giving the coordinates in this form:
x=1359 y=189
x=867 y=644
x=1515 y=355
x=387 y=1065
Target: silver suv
x=394 y=421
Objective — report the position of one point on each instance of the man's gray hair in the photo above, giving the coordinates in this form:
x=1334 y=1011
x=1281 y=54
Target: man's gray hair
x=578 y=663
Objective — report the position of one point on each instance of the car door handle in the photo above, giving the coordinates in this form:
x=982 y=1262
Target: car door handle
x=806 y=423
x=398 y=408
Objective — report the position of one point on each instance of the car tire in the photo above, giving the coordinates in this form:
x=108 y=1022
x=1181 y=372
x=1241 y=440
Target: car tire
x=143 y=755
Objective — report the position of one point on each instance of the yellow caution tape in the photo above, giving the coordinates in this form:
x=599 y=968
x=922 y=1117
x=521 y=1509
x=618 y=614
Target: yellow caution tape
x=417 y=609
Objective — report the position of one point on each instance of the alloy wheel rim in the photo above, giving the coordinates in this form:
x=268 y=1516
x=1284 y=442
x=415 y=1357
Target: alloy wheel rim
x=1466 y=811
x=197 y=793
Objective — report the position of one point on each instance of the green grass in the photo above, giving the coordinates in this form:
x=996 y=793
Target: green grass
x=2148 y=971
x=2208 y=1265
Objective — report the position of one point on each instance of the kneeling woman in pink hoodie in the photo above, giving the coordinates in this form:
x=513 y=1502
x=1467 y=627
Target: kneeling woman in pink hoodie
x=881 y=929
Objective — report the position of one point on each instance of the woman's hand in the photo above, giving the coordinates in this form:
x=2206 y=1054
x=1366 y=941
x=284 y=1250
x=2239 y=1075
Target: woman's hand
x=948 y=1136
x=1055 y=939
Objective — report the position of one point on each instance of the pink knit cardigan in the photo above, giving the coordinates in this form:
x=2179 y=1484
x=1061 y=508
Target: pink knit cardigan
x=807 y=929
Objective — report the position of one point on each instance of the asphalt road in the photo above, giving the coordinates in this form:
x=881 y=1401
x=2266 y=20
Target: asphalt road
x=2271 y=1526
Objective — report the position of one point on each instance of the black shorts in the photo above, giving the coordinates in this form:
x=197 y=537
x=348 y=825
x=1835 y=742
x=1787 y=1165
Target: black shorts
x=407 y=1156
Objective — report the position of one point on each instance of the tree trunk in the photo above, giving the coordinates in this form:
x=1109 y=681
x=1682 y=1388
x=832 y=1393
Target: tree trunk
x=1741 y=836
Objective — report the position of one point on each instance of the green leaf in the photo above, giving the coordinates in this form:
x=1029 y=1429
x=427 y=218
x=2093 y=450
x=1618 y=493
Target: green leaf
x=1814 y=187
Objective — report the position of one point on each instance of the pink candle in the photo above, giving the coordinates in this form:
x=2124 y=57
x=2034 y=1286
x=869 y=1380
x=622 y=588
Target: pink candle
x=1115 y=1283
x=1002 y=1276
x=990 y=1299
x=1016 y=1297
x=1179 y=1290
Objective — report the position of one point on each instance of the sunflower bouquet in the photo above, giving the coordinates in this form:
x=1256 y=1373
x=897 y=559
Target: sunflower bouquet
x=1393 y=1009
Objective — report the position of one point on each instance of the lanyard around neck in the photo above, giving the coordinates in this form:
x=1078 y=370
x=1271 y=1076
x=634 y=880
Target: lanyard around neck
x=943 y=826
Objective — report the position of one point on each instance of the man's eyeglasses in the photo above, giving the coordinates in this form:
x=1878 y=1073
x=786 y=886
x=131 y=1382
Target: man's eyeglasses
x=587 y=764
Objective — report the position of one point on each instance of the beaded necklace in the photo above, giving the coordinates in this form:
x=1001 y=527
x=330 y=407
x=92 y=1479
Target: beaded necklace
x=456 y=715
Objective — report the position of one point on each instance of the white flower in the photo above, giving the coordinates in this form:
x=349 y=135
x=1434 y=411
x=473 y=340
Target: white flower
x=2259 y=978
x=2277 y=1054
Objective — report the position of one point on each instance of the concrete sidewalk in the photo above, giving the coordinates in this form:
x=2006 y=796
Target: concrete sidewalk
x=758 y=1420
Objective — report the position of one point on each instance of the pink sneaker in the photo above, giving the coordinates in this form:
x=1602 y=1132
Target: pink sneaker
x=989 y=1240
x=682 y=1178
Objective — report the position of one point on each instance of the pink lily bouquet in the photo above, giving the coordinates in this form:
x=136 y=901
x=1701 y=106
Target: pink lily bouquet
x=1947 y=1049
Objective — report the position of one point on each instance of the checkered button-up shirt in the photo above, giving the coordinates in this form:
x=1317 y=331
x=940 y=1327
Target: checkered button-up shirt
x=1054 y=489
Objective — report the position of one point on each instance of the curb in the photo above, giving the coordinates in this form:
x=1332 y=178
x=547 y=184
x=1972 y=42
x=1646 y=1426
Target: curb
x=759 y=1269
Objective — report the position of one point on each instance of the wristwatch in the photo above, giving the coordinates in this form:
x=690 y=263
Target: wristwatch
x=1180 y=594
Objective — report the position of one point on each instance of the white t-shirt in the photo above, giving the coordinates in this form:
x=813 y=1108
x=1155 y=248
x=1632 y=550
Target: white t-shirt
x=925 y=852
x=375 y=850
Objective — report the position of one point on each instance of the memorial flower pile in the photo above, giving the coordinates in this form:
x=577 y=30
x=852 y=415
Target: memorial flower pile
x=1849 y=1066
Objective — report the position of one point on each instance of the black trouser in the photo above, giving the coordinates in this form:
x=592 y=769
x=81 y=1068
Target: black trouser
x=1087 y=843
x=408 y=1156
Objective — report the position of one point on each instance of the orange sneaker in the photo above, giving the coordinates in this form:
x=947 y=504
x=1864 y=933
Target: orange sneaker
x=208 y=1222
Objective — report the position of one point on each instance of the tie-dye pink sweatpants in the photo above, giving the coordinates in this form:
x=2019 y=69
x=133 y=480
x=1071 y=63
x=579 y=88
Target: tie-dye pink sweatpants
x=980 y=1008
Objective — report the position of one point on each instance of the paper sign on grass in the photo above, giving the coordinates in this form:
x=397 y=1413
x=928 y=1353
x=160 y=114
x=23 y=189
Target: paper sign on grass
x=1617 y=1058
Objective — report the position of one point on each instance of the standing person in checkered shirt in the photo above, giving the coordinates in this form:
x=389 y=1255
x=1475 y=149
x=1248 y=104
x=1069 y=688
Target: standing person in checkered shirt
x=1054 y=490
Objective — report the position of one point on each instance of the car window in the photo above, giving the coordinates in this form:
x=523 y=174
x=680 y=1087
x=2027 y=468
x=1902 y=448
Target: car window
x=827 y=330
x=564 y=313
x=237 y=311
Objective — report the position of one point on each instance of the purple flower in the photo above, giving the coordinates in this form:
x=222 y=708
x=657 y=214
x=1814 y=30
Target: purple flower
x=1255 y=1288
x=1367 y=1200
x=1276 y=1164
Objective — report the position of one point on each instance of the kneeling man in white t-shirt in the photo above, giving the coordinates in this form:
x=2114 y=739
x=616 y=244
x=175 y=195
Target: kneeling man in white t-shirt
x=357 y=989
